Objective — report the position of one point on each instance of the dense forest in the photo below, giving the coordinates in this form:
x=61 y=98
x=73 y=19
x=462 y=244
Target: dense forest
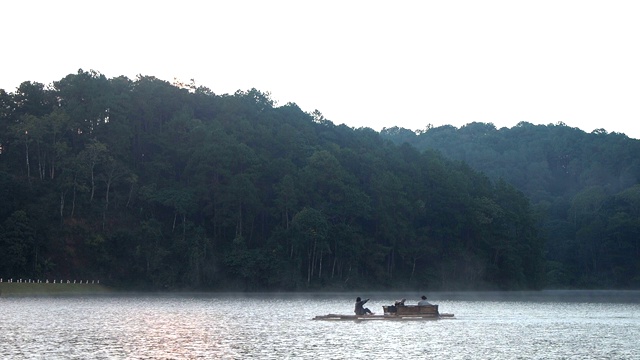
x=584 y=189
x=152 y=185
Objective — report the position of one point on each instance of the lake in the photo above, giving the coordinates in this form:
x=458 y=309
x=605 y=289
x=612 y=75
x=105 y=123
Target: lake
x=493 y=325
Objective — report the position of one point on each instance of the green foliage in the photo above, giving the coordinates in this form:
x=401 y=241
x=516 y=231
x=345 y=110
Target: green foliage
x=150 y=185
x=584 y=189
x=17 y=238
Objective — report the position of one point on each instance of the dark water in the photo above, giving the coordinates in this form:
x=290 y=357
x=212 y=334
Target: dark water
x=528 y=325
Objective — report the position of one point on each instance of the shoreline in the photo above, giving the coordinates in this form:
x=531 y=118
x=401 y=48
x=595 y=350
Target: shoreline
x=46 y=289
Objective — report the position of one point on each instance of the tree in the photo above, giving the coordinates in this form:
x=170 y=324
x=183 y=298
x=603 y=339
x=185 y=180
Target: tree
x=311 y=229
x=17 y=238
x=94 y=154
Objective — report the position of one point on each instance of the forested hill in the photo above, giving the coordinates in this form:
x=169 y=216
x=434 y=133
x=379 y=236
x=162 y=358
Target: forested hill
x=148 y=184
x=584 y=188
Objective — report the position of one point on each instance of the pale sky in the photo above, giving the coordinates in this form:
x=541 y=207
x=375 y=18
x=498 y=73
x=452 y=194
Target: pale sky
x=362 y=63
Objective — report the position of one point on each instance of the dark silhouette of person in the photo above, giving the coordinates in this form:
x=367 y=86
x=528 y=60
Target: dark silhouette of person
x=423 y=301
x=360 y=309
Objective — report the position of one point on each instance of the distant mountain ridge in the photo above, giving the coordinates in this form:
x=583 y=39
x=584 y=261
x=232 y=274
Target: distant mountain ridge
x=584 y=187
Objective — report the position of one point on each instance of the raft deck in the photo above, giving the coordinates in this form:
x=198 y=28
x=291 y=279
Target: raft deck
x=404 y=312
x=380 y=317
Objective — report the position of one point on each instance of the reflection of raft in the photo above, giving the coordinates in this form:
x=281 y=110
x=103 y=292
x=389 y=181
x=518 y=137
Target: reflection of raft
x=402 y=312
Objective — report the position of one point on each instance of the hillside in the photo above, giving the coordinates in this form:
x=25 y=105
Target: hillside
x=146 y=184
x=584 y=188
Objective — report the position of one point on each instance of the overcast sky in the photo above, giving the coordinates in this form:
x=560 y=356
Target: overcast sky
x=362 y=63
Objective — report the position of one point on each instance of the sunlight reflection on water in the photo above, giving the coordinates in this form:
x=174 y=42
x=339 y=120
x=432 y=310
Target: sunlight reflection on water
x=259 y=326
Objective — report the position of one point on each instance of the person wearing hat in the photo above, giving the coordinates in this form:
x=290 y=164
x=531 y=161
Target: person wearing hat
x=423 y=301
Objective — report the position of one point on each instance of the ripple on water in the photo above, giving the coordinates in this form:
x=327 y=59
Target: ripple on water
x=279 y=326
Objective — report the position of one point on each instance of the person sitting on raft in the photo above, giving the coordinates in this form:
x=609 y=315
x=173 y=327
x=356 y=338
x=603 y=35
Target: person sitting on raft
x=394 y=308
x=360 y=309
x=423 y=301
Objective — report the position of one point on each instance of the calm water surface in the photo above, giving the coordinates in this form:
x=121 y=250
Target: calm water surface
x=539 y=325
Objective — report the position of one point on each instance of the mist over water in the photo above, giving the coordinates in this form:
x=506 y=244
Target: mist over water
x=526 y=325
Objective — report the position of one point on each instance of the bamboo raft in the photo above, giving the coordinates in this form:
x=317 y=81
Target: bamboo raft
x=402 y=312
